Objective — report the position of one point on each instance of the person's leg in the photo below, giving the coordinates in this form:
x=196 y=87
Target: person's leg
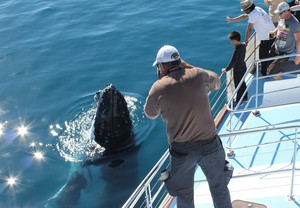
x=243 y=89
x=213 y=166
x=181 y=181
x=277 y=77
x=264 y=49
x=241 y=92
x=276 y=66
x=237 y=77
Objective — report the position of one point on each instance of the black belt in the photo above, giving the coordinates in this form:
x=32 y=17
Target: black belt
x=265 y=41
x=281 y=53
x=206 y=141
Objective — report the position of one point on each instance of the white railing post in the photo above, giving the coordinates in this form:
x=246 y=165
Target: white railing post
x=291 y=197
x=256 y=87
x=230 y=153
x=148 y=196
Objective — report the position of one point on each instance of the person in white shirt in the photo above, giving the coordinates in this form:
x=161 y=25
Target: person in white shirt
x=262 y=23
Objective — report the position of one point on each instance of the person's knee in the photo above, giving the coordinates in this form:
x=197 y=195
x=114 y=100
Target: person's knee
x=177 y=186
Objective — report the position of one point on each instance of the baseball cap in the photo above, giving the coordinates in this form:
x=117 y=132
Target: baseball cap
x=246 y=4
x=167 y=53
x=283 y=6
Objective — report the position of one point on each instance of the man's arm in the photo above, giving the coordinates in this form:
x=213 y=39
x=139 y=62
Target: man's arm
x=234 y=59
x=248 y=32
x=297 y=38
x=236 y=19
x=268 y=3
x=151 y=109
x=274 y=32
x=295 y=8
x=211 y=80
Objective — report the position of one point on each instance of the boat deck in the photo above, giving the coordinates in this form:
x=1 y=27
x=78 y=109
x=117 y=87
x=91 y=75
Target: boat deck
x=263 y=159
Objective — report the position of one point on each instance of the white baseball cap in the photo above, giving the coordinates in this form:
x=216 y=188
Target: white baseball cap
x=283 y=6
x=167 y=53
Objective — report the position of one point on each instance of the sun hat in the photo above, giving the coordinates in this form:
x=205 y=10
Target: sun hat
x=246 y=4
x=167 y=53
x=283 y=6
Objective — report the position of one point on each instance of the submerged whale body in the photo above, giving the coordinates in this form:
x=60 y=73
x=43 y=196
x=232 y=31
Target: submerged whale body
x=69 y=194
x=112 y=127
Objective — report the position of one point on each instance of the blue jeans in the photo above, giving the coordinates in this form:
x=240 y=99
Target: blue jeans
x=210 y=156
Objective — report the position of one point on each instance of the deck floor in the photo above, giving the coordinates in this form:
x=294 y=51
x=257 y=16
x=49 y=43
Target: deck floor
x=262 y=173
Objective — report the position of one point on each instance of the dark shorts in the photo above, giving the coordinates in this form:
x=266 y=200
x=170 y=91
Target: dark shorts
x=277 y=65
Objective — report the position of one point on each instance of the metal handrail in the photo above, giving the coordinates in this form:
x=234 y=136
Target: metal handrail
x=258 y=63
x=235 y=110
x=145 y=183
x=217 y=101
x=267 y=129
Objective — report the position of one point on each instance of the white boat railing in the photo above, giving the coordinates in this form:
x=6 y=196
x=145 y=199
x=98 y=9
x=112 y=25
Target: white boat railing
x=257 y=78
x=145 y=186
x=266 y=129
x=150 y=200
x=237 y=110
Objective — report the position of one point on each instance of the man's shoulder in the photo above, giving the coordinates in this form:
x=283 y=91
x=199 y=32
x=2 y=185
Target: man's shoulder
x=257 y=11
x=294 y=23
x=160 y=83
x=196 y=71
x=195 y=68
x=243 y=45
x=253 y=15
x=293 y=20
x=240 y=47
x=156 y=87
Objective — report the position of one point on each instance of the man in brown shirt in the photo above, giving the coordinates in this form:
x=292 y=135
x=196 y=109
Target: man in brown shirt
x=180 y=97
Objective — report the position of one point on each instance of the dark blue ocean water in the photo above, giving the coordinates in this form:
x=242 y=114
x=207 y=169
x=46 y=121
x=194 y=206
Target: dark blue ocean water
x=54 y=56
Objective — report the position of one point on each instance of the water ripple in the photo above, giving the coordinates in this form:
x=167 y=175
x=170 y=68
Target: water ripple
x=73 y=140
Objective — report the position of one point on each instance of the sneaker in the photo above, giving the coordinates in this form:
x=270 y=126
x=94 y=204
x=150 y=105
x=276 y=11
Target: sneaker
x=253 y=70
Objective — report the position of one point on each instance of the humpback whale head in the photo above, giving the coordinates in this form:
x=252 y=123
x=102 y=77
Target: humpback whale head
x=112 y=126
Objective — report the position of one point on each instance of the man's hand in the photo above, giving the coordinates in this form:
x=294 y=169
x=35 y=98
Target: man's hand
x=228 y=19
x=268 y=3
x=223 y=70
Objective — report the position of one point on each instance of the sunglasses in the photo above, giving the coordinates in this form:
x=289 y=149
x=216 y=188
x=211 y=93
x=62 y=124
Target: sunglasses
x=281 y=12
